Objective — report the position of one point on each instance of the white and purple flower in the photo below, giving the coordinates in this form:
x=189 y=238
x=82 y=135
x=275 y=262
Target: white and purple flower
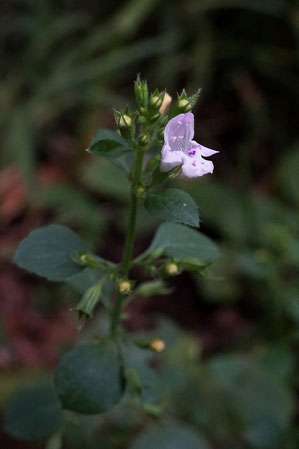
x=180 y=149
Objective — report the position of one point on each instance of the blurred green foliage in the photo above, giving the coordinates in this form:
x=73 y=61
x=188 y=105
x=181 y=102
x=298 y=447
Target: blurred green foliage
x=63 y=64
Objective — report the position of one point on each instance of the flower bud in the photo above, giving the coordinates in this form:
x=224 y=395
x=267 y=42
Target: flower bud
x=124 y=286
x=157 y=345
x=172 y=268
x=125 y=121
x=143 y=140
x=87 y=260
x=165 y=103
x=141 y=93
x=142 y=111
x=142 y=119
x=156 y=101
x=83 y=259
x=184 y=104
x=139 y=190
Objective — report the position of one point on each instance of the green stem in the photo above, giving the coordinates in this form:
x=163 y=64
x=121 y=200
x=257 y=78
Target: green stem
x=127 y=254
x=136 y=172
x=116 y=313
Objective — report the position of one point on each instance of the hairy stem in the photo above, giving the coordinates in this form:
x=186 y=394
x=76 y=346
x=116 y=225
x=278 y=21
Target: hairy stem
x=130 y=235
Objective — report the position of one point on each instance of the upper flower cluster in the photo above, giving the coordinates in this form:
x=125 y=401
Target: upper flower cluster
x=180 y=149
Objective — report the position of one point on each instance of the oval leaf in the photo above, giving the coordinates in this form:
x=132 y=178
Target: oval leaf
x=33 y=414
x=48 y=252
x=89 y=379
x=170 y=436
x=80 y=282
x=179 y=242
x=108 y=144
x=173 y=205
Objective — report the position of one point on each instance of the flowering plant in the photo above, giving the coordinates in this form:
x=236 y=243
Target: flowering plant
x=96 y=375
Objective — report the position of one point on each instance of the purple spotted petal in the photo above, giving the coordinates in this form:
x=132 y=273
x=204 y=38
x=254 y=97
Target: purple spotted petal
x=204 y=151
x=196 y=166
x=180 y=149
x=170 y=158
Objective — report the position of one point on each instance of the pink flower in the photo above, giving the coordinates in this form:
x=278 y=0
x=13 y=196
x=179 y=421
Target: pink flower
x=180 y=149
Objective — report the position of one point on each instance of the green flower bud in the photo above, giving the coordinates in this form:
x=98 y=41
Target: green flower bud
x=139 y=190
x=156 y=101
x=143 y=140
x=143 y=119
x=87 y=260
x=141 y=93
x=142 y=111
x=184 y=104
x=125 y=121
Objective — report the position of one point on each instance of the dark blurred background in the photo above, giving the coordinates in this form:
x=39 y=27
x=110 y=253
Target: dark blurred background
x=65 y=64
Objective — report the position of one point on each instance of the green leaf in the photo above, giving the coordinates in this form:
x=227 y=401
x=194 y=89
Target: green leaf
x=33 y=414
x=173 y=205
x=89 y=301
x=195 y=266
x=182 y=243
x=101 y=292
x=138 y=365
x=108 y=144
x=80 y=282
x=125 y=161
x=170 y=436
x=89 y=379
x=48 y=252
x=150 y=288
x=86 y=279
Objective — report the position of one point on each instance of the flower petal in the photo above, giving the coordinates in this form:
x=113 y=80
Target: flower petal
x=204 y=151
x=196 y=166
x=170 y=158
x=179 y=131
